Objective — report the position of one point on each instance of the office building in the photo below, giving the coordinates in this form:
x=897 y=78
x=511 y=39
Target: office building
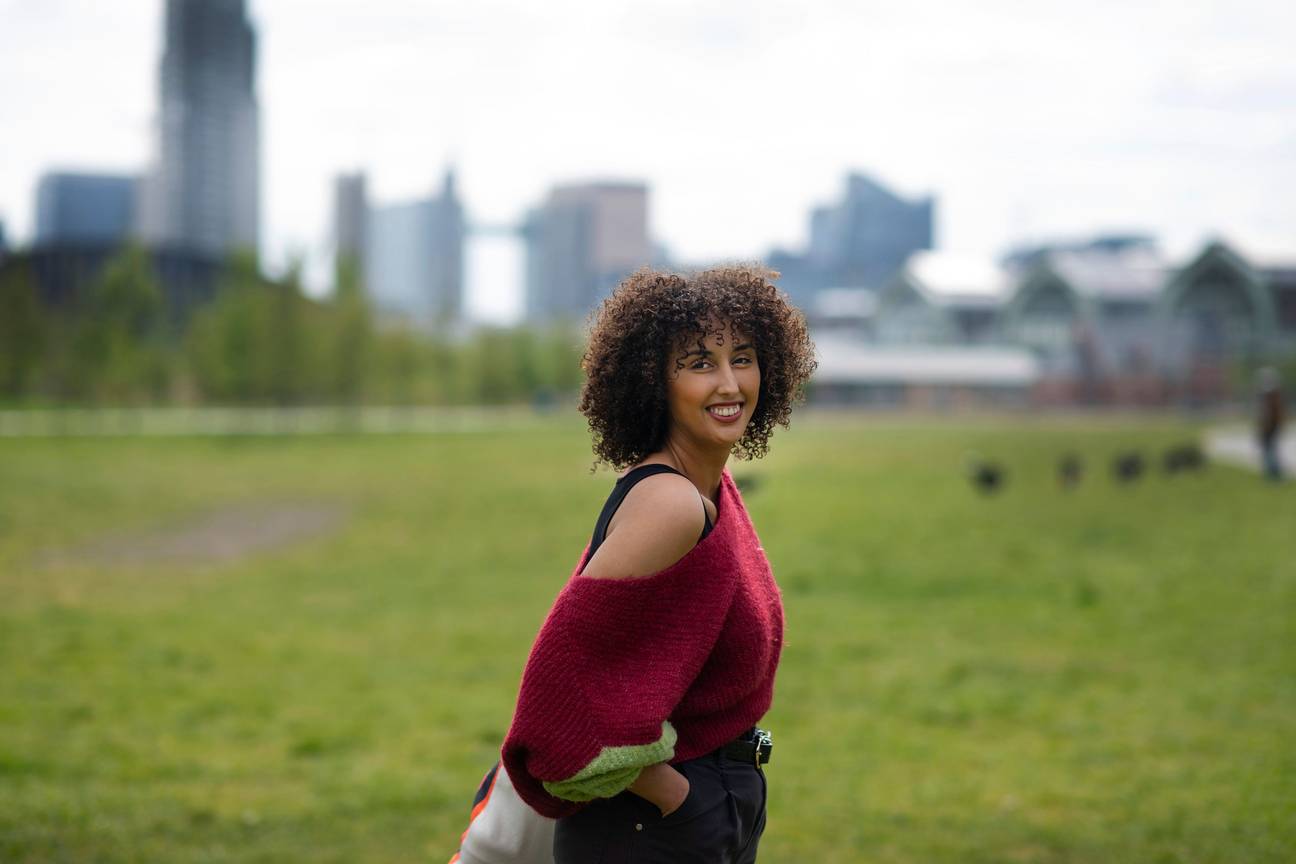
x=85 y=209
x=1216 y=312
x=1088 y=310
x=350 y=215
x=859 y=241
x=413 y=256
x=866 y=237
x=202 y=191
x=580 y=243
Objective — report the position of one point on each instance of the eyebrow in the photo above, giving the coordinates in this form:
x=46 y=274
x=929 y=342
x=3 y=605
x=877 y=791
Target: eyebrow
x=701 y=352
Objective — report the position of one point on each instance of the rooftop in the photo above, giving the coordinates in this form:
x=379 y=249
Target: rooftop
x=953 y=278
x=1135 y=272
x=844 y=303
x=846 y=361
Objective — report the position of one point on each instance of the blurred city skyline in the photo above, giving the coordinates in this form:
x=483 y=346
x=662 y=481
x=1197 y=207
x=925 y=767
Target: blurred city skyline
x=1027 y=124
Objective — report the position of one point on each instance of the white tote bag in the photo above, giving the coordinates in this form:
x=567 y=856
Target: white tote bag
x=502 y=829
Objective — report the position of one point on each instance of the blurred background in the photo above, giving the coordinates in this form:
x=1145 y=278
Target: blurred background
x=291 y=310
x=1000 y=205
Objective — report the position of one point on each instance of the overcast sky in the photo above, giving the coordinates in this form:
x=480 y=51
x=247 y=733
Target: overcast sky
x=1027 y=119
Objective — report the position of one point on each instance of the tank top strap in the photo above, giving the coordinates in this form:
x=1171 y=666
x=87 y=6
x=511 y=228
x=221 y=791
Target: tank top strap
x=620 y=490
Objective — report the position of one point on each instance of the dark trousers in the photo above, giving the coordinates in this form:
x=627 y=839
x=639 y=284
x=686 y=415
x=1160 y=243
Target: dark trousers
x=720 y=822
x=1269 y=457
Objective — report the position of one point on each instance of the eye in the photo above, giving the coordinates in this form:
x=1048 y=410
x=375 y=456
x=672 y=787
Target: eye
x=698 y=364
x=743 y=359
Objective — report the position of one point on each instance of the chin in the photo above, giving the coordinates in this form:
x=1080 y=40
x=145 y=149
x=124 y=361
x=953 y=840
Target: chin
x=732 y=438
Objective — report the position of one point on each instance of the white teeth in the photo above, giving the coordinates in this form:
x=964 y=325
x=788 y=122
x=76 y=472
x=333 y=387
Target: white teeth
x=727 y=411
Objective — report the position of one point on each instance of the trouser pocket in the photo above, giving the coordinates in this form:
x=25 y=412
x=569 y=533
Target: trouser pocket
x=720 y=822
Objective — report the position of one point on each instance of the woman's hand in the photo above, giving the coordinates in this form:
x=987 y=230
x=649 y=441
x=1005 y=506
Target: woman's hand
x=663 y=786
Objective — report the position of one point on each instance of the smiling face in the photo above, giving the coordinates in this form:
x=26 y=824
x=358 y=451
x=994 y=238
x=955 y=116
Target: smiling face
x=712 y=385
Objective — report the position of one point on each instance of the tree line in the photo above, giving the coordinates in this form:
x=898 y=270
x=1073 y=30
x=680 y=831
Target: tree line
x=260 y=341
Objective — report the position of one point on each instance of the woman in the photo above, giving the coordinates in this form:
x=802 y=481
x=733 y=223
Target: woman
x=635 y=723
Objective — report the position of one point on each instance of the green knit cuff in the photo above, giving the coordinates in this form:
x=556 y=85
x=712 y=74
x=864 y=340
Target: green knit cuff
x=613 y=769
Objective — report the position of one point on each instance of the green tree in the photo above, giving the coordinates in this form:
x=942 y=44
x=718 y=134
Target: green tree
x=448 y=370
x=229 y=340
x=23 y=331
x=496 y=365
x=399 y=353
x=352 y=346
x=120 y=351
x=563 y=348
x=287 y=362
x=529 y=373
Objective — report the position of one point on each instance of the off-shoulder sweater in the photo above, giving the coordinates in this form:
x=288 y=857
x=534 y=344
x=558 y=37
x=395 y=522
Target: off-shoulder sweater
x=628 y=672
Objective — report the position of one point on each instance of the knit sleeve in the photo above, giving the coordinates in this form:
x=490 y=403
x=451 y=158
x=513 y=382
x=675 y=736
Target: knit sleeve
x=613 y=659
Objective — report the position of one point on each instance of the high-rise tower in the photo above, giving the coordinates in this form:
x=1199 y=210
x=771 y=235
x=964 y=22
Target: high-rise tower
x=350 y=215
x=202 y=192
x=864 y=239
x=584 y=239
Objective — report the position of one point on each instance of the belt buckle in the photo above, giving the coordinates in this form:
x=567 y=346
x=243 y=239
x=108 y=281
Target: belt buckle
x=764 y=746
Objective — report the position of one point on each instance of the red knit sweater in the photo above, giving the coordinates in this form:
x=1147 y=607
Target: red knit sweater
x=695 y=644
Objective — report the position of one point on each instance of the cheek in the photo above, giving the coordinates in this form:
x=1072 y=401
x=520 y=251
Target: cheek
x=694 y=397
x=754 y=388
x=679 y=396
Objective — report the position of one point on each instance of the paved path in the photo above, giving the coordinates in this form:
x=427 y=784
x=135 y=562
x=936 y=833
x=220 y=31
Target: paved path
x=1237 y=446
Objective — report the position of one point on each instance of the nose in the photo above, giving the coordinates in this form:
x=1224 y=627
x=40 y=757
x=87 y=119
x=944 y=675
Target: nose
x=728 y=381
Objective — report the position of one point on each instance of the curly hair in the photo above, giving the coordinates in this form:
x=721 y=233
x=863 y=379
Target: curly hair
x=627 y=362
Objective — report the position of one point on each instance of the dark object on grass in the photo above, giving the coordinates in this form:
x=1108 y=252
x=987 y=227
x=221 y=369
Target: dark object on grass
x=747 y=483
x=1128 y=467
x=1183 y=457
x=987 y=477
x=1070 y=470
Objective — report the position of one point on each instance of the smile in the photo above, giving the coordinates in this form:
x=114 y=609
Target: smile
x=725 y=412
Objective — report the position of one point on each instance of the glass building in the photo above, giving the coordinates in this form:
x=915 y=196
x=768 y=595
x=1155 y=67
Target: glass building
x=82 y=208
x=202 y=191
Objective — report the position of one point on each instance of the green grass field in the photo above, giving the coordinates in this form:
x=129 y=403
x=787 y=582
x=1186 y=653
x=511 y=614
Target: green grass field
x=1102 y=676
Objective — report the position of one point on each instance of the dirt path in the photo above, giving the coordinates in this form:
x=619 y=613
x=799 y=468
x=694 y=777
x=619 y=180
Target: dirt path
x=219 y=537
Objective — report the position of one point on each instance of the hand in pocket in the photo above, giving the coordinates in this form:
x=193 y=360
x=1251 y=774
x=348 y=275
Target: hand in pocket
x=663 y=786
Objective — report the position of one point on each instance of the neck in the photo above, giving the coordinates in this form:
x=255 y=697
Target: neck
x=702 y=465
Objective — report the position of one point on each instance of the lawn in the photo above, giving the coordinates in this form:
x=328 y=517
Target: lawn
x=1101 y=675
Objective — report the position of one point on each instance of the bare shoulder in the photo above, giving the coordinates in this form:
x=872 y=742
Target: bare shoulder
x=656 y=525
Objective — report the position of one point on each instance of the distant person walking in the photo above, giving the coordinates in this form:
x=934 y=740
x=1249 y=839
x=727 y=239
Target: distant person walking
x=1269 y=421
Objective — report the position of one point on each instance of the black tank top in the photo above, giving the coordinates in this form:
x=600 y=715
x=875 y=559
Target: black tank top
x=619 y=492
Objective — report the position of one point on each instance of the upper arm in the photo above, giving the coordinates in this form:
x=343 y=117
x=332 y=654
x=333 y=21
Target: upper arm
x=656 y=525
